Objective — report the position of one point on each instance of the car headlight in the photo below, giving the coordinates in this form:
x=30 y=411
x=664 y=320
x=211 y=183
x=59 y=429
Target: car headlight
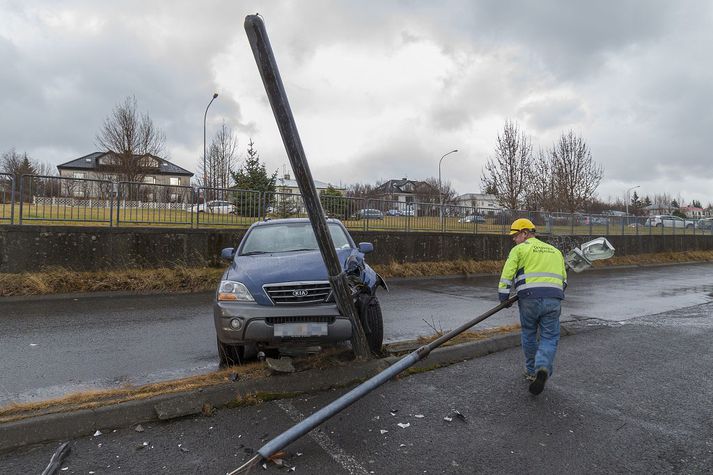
x=236 y=291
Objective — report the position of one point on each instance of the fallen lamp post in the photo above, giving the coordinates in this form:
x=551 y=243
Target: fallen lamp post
x=578 y=259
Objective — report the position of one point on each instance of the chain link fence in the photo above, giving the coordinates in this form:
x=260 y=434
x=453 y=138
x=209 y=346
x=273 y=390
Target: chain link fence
x=63 y=200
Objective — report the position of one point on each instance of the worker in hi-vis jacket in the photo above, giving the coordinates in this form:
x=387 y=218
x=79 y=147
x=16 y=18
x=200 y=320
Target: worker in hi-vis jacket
x=536 y=271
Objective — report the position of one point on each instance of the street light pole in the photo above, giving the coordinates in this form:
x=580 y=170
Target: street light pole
x=627 y=200
x=440 y=188
x=205 y=170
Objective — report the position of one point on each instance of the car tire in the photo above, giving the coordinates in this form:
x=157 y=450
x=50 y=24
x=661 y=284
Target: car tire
x=373 y=320
x=230 y=355
x=659 y=225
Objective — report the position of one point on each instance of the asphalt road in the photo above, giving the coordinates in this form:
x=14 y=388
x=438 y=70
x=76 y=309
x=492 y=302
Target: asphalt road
x=626 y=397
x=51 y=347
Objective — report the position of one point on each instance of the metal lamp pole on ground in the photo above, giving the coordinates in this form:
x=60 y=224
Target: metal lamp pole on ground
x=205 y=170
x=440 y=188
x=627 y=201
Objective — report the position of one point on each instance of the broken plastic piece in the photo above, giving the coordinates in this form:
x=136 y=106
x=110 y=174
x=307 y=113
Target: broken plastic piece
x=97 y=433
x=403 y=426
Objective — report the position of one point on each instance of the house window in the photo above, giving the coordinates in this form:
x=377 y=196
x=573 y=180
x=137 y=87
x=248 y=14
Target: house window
x=78 y=175
x=174 y=181
x=150 y=180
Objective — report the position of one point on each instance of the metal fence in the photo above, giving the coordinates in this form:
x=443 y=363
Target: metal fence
x=7 y=198
x=62 y=200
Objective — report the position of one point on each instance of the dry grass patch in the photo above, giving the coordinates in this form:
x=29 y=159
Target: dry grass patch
x=656 y=258
x=57 y=280
x=427 y=269
x=470 y=335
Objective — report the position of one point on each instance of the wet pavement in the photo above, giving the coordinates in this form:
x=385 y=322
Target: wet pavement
x=55 y=346
x=625 y=397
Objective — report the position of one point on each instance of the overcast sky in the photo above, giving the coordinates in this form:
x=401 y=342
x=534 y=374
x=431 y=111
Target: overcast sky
x=379 y=89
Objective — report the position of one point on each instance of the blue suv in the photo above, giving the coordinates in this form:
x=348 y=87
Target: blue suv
x=276 y=292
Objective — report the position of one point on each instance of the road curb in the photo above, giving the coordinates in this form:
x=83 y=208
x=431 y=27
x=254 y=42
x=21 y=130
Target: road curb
x=46 y=428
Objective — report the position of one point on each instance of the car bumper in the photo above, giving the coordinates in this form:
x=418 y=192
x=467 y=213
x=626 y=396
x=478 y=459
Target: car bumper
x=258 y=323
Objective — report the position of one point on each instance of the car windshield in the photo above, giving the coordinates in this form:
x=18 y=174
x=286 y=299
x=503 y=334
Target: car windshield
x=289 y=237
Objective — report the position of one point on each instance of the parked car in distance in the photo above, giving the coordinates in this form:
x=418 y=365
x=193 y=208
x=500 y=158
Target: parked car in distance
x=394 y=212
x=472 y=218
x=368 y=214
x=595 y=220
x=276 y=291
x=705 y=223
x=215 y=206
x=668 y=221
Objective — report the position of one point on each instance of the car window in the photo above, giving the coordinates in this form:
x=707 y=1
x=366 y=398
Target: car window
x=288 y=237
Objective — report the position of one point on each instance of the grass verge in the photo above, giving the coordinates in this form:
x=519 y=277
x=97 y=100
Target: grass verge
x=57 y=280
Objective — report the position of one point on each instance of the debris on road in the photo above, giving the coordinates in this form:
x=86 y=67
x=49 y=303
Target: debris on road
x=139 y=428
x=403 y=426
x=282 y=365
x=419 y=416
x=383 y=431
x=97 y=433
x=448 y=419
x=56 y=459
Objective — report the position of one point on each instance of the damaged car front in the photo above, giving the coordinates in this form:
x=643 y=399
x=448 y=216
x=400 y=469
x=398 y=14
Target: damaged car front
x=276 y=291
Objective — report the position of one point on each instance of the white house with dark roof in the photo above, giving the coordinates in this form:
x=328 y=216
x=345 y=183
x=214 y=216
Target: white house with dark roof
x=288 y=185
x=101 y=166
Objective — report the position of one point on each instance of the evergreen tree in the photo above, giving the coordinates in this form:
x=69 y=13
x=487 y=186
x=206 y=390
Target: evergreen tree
x=253 y=176
x=696 y=204
x=333 y=203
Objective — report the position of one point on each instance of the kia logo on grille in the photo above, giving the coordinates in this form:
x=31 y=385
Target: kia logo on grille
x=299 y=293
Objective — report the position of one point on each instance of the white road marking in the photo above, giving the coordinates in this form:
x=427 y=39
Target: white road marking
x=349 y=463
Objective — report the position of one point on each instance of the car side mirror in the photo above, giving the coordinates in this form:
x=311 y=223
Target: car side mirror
x=366 y=247
x=227 y=254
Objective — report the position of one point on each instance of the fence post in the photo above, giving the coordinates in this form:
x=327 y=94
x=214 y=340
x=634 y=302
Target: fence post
x=12 y=200
x=365 y=215
x=112 y=194
x=22 y=182
x=118 y=202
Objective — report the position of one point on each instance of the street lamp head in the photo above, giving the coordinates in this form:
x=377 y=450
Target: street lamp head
x=215 y=94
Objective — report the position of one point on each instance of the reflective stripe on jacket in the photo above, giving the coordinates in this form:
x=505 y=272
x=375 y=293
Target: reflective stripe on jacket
x=535 y=269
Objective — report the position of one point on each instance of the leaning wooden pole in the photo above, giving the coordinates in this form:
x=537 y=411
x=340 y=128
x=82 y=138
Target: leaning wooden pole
x=266 y=64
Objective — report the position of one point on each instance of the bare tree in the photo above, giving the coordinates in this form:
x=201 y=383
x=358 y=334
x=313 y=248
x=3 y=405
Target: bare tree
x=221 y=160
x=508 y=171
x=576 y=175
x=541 y=193
x=429 y=194
x=130 y=139
x=361 y=190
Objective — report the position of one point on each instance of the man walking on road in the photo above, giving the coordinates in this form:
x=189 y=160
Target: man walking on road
x=536 y=271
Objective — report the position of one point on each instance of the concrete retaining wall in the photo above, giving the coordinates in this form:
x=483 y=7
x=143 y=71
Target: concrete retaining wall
x=30 y=248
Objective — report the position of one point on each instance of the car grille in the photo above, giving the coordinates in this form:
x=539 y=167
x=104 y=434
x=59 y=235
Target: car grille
x=291 y=293
x=316 y=319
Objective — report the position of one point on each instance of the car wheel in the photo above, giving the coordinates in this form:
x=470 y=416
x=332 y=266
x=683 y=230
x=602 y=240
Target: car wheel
x=230 y=355
x=370 y=312
x=659 y=225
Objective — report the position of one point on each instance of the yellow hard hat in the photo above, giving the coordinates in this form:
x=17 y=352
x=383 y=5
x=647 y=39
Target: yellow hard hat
x=521 y=224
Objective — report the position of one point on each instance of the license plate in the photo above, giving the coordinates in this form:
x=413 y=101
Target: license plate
x=301 y=329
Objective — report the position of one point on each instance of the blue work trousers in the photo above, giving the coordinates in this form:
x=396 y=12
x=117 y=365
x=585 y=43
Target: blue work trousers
x=544 y=314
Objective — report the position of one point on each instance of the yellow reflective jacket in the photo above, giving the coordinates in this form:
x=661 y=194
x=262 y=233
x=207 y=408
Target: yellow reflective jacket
x=534 y=269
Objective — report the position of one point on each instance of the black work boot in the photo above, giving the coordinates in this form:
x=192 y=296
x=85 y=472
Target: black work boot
x=538 y=384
